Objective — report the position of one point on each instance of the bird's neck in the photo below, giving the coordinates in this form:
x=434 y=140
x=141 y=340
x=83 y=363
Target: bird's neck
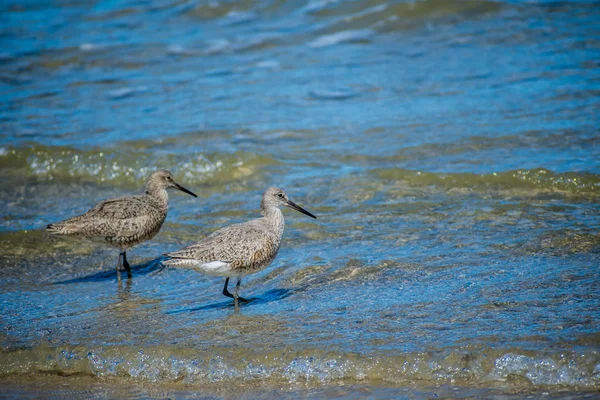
x=159 y=195
x=274 y=217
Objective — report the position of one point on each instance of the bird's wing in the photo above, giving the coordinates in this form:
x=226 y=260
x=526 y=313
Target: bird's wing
x=227 y=244
x=121 y=208
x=123 y=216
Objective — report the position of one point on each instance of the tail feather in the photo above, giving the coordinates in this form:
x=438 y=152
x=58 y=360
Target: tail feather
x=62 y=229
x=178 y=262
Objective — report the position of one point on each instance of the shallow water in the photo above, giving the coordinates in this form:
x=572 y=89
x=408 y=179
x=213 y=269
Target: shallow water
x=449 y=149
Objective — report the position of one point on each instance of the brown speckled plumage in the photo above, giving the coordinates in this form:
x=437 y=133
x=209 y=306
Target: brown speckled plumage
x=240 y=249
x=247 y=247
x=122 y=222
x=125 y=221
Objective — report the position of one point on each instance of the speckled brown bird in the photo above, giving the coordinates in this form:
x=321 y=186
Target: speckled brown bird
x=240 y=249
x=125 y=221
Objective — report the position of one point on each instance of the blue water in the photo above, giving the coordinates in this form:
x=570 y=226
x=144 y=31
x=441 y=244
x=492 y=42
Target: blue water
x=449 y=149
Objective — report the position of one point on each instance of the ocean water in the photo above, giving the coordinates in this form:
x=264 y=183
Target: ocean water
x=450 y=150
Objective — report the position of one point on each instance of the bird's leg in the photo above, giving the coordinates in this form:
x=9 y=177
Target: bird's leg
x=225 y=291
x=234 y=296
x=237 y=289
x=126 y=265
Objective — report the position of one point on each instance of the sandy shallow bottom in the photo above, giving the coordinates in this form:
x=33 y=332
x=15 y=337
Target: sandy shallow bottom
x=78 y=387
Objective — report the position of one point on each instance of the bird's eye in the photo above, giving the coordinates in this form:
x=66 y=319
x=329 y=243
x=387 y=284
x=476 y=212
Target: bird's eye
x=280 y=195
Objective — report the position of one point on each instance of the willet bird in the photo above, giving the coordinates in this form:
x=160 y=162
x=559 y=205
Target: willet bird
x=124 y=222
x=240 y=249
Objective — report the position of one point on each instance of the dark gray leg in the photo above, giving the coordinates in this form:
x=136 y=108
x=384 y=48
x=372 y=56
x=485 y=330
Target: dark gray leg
x=237 y=289
x=235 y=296
x=126 y=265
x=225 y=291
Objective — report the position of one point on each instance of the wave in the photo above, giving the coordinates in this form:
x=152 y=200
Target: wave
x=133 y=162
x=531 y=181
x=323 y=21
x=340 y=9
x=384 y=17
x=166 y=364
x=130 y=164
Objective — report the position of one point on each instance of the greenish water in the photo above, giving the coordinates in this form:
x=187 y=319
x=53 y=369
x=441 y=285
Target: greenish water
x=449 y=149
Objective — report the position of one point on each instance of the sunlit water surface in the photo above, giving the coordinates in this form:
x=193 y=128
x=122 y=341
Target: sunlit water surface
x=450 y=150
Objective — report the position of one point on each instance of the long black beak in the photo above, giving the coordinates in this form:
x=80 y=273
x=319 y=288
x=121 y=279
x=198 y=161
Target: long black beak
x=184 y=190
x=296 y=207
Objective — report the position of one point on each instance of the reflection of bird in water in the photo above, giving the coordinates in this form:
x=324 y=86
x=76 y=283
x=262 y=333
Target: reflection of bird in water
x=124 y=293
x=125 y=221
x=240 y=249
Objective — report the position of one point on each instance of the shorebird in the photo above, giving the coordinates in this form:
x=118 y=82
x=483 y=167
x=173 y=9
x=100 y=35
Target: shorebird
x=241 y=249
x=124 y=222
